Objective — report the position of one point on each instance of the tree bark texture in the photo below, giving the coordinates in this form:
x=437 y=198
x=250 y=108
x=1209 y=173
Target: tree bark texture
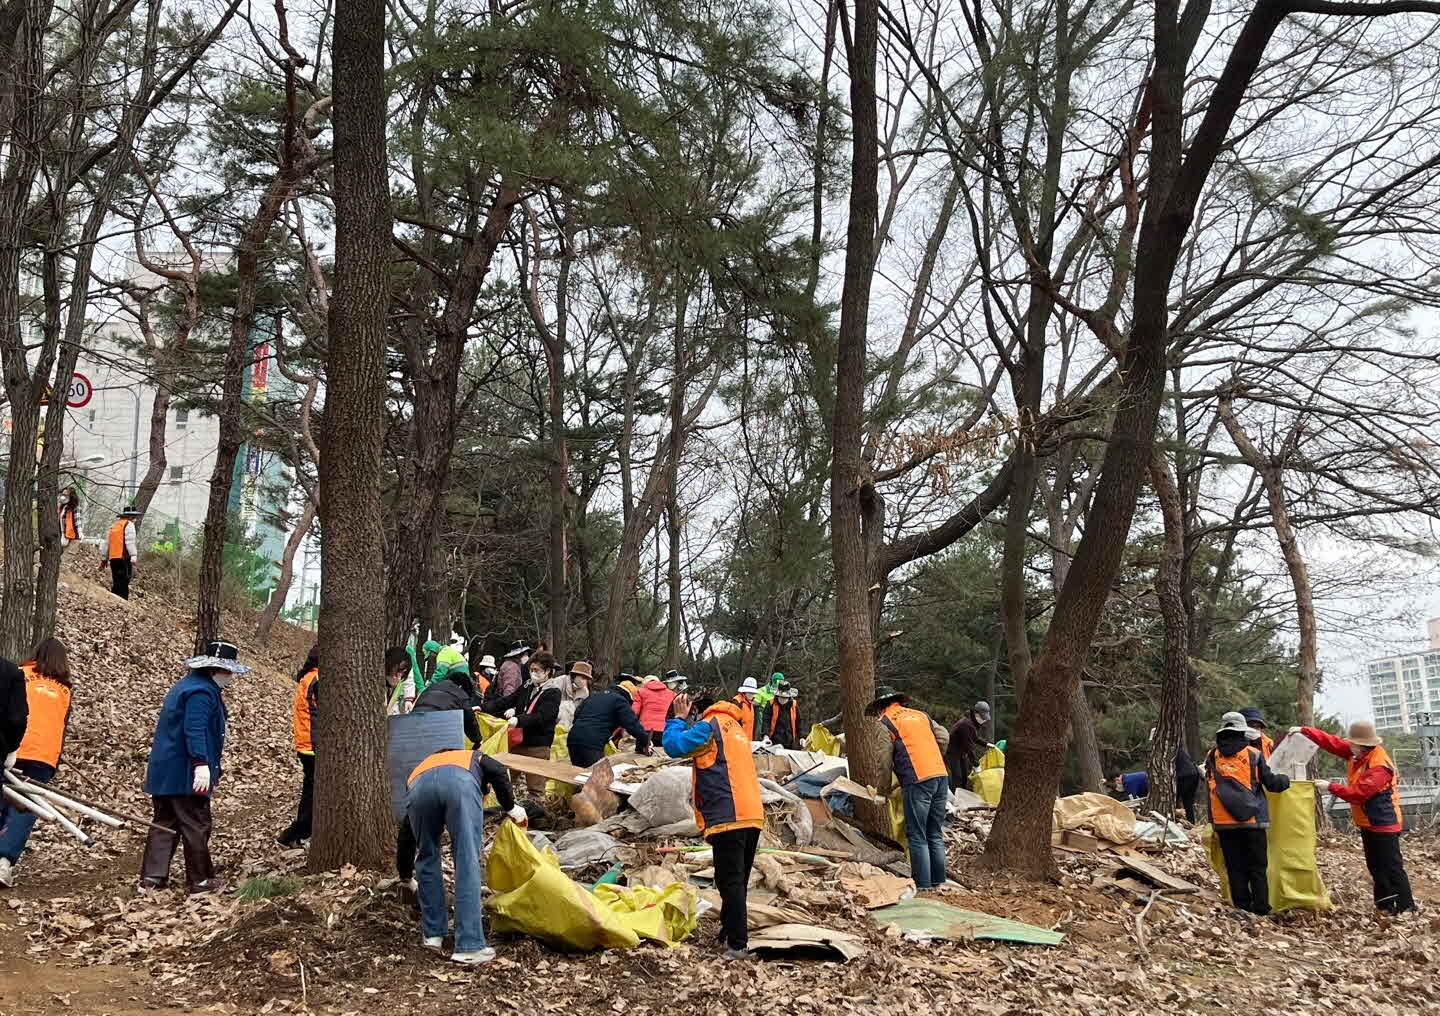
x=851 y=481
x=352 y=815
x=1175 y=680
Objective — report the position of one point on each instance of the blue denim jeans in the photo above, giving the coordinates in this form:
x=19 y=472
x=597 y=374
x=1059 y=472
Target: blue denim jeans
x=448 y=798
x=924 y=829
x=16 y=822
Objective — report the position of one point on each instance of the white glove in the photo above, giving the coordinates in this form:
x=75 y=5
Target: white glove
x=510 y=714
x=512 y=722
x=1296 y=730
x=519 y=815
x=10 y=761
x=201 y=784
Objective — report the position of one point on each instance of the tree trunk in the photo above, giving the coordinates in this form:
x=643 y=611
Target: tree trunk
x=1175 y=683
x=1085 y=741
x=157 y=459
x=353 y=824
x=1013 y=609
x=851 y=481
x=281 y=593
x=672 y=503
x=1272 y=476
x=1020 y=838
x=559 y=471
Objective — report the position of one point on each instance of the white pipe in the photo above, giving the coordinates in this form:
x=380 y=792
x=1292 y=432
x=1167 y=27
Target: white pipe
x=32 y=804
x=55 y=797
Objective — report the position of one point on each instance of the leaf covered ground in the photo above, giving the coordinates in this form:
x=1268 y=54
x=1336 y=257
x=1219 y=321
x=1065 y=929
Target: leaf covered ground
x=75 y=939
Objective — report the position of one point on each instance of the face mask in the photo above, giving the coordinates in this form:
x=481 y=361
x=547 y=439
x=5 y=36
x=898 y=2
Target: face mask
x=224 y=680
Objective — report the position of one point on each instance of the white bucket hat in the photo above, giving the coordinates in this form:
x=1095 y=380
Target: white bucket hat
x=1233 y=721
x=487 y=662
x=748 y=687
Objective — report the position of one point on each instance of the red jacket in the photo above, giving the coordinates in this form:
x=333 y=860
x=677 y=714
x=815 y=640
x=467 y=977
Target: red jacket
x=652 y=704
x=1372 y=781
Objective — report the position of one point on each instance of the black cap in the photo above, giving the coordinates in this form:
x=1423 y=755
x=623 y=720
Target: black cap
x=884 y=695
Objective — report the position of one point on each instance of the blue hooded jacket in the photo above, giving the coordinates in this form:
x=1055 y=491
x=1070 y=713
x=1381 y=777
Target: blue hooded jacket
x=189 y=732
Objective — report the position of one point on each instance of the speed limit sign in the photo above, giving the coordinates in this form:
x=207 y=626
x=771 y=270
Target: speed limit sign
x=78 y=395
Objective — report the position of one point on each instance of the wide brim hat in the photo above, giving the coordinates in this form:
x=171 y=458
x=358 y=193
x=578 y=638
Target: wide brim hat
x=517 y=649
x=884 y=695
x=219 y=656
x=487 y=663
x=1233 y=722
x=131 y=513
x=1252 y=715
x=748 y=687
x=581 y=669
x=1365 y=735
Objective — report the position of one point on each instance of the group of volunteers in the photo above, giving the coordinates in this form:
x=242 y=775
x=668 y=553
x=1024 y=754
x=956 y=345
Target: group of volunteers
x=531 y=694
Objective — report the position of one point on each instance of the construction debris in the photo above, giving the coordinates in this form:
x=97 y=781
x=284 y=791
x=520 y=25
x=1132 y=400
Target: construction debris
x=808 y=938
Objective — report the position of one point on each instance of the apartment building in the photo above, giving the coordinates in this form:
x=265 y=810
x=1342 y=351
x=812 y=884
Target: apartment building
x=1402 y=687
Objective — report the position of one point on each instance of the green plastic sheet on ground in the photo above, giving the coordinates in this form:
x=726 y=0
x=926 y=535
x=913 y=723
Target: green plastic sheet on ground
x=1295 y=882
x=821 y=740
x=940 y=920
x=534 y=897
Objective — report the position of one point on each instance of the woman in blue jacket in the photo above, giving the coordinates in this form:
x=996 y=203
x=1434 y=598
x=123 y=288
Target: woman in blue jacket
x=185 y=767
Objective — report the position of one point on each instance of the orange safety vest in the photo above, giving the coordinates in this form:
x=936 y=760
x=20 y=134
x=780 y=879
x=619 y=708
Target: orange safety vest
x=49 y=702
x=117 y=539
x=775 y=712
x=1236 y=777
x=68 y=529
x=1267 y=746
x=456 y=757
x=304 y=707
x=917 y=755
x=725 y=789
x=1381 y=812
x=747 y=715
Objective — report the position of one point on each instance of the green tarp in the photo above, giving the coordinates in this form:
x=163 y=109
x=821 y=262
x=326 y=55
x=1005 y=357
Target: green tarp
x=941 y=920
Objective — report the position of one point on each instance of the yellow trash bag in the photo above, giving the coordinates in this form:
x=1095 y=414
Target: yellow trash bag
x=1295 y=882
x=988 y=783
x=1217 y=860
x=993 y=758
x=493 y=740
x=534 y=897
x=559 y=752
x=897 y=815
x=822 y=740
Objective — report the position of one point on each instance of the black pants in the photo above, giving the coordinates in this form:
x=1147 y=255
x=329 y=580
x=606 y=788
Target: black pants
x=1247 y=867
x=190 y=814
x=120 y=577
x=405 y=852
x=583 y=755
x=305 y=813
x=1185 y=789
x=1387 y=868
x=734 y=857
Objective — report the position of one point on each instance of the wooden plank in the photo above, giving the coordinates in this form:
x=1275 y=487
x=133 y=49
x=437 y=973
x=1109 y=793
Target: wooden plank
x=1076 y=840
x=1149 y=873
x=562 y=771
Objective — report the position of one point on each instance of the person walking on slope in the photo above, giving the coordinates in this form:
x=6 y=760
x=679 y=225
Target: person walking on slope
x=918 y=762
x=597 y=718
x=1371 y=789
x=69 y=518
x=446 y=793
x=744 y=702
x=652 y=705
x=184 y=769
x=726 y=796
x=1238 y=777
x=963 y=753
x=47 y=692
x=785 y=718
x=303 y=707
x=120 y=552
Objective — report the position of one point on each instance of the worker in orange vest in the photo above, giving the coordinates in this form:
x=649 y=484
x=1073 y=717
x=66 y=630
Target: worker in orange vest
x=47 y=691
x=918 y=762
x=69 y=518
x=726 y=794
x=120 y=553
x=1238 y=777
x=744 y=701
x=1256 y=722
x=785 y=717
x=304 y=705
x=446 y=793
x=1370 y=788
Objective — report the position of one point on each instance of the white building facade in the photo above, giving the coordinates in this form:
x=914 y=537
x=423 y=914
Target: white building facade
x=1402 y=687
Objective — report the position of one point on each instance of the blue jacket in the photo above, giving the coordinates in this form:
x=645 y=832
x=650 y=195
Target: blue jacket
x=683 y=738
x=189 y=732
x=1135 y=785
x=600 y=715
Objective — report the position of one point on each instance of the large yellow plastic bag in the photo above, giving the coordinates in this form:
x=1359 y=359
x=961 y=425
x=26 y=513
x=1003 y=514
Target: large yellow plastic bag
x=993 y=758
x=1217 y=859
x=559 y=752
x=1295 y=882
x=988 y=783
x=534 y=897
x=822 y=740
x=897 y=815
x=494 y=738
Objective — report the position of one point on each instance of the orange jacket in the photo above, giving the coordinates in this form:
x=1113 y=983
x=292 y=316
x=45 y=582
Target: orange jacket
x=49 y=702
x=1370 y=787
x=1267 y=746
x=726 y=790
x=68 y=527
x=917 y=755
x=746 y=717
x=115 y=544
x=305 y=705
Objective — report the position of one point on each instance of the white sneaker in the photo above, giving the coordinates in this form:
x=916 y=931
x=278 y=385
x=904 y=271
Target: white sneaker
x=7 y=873
x=473 y=959
x=435 y=942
